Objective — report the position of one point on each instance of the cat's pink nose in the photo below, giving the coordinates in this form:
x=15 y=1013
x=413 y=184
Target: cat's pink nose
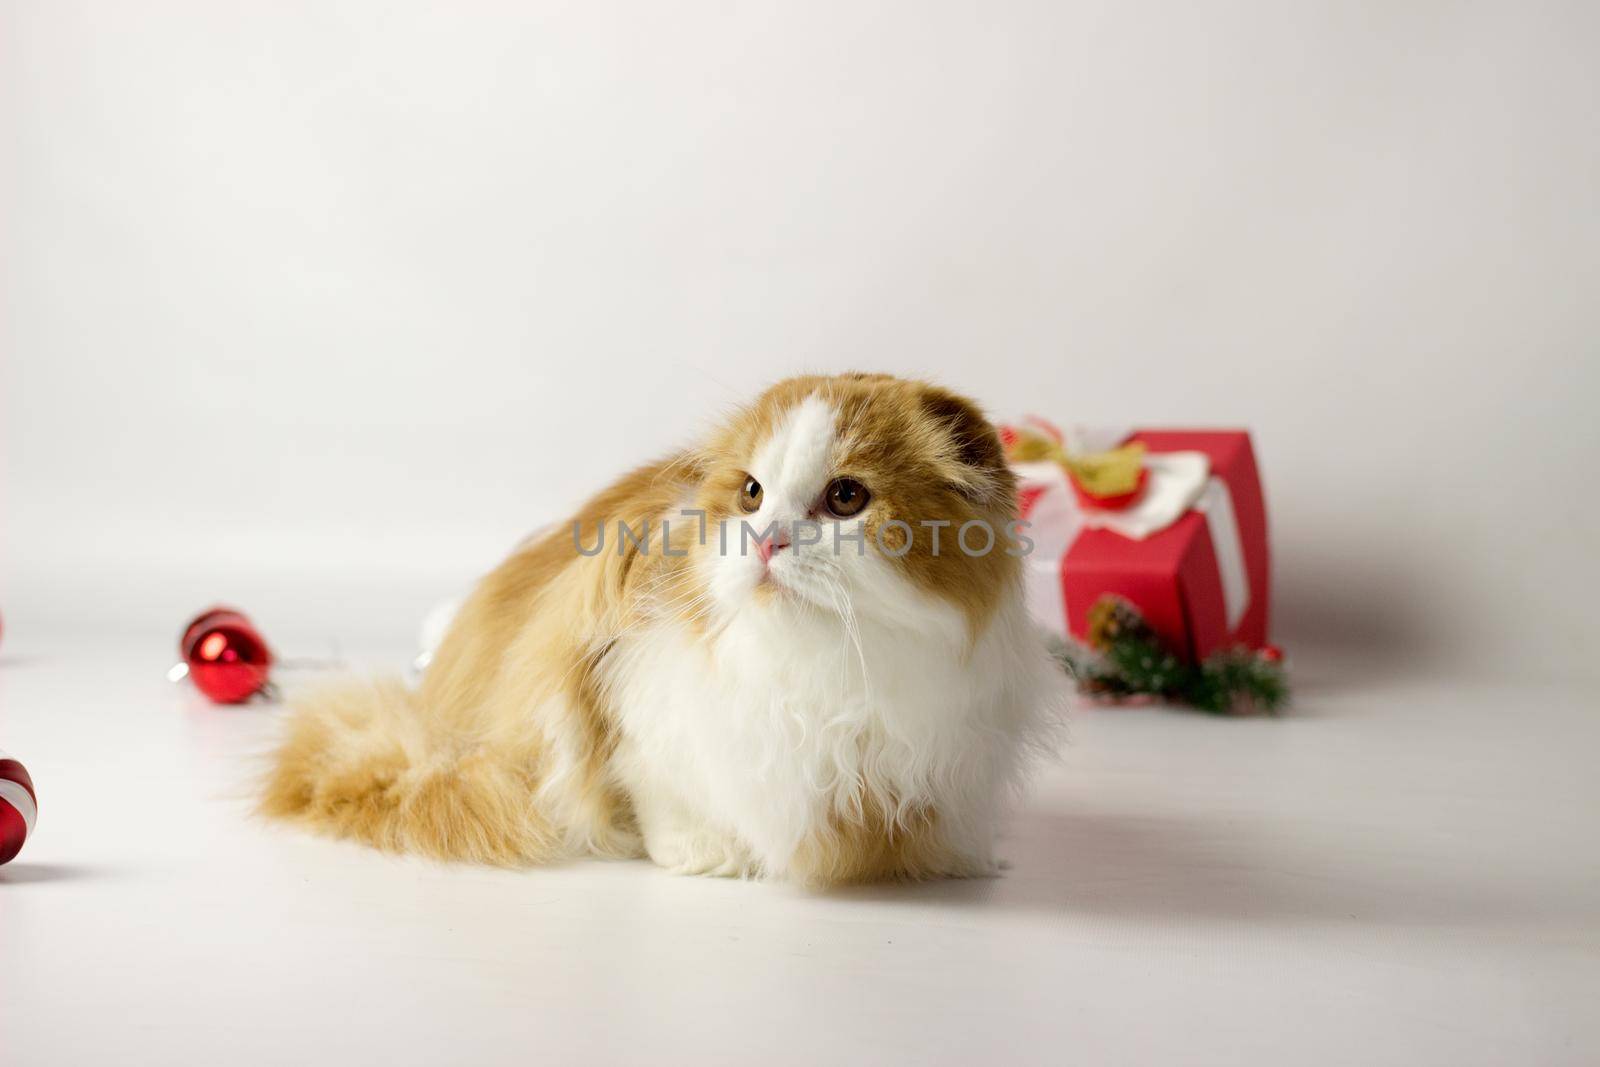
x=768 y=545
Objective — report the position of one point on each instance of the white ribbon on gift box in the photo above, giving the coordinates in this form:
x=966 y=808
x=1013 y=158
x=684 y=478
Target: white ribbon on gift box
x=1177 y=482
x=16 y=794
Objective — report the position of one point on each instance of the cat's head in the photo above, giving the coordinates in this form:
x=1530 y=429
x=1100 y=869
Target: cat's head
x=860 y=494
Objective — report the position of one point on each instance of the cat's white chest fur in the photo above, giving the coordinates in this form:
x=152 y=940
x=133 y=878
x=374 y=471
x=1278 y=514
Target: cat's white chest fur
x=738 y=747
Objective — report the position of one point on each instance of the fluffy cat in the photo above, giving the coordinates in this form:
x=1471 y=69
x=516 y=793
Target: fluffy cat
x=761 y=700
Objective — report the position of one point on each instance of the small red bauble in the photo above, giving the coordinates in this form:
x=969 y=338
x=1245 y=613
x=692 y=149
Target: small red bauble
x=1271 y=653
x=227 y=658
x=19 y=808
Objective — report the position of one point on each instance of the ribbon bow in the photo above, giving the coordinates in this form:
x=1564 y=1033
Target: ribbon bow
x=1110 y=480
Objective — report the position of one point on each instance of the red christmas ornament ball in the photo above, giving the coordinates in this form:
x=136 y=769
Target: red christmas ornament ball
x=226 y=656
x=1271 y=653
x=19 y=807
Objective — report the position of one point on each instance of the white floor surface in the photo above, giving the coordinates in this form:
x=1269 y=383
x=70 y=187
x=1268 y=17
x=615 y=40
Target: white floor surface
x=1398 y=872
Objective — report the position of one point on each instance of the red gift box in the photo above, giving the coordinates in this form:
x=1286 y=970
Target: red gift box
x=1202 y=582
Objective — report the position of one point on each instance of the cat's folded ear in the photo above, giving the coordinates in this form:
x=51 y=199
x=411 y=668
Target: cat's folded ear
x=976 y=464
x=690 y=466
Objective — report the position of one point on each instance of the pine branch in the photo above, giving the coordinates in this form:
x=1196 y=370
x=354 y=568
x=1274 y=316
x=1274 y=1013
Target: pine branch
x=1127 y=659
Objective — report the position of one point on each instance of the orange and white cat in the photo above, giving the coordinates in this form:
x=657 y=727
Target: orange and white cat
x=811 y=666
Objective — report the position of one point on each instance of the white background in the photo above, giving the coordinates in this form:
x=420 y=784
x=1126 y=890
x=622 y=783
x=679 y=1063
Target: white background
x=373 y=288
x=318 y=307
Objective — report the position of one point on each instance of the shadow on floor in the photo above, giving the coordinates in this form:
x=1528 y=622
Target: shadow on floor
x=19 y=872
x=1348 y=622
x=1168 y=870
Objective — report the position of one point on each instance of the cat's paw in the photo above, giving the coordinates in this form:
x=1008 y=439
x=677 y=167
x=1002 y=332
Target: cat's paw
x=702 y=854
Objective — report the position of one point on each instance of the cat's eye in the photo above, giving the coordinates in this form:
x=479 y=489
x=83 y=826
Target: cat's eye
x=845 y=497
x=750 y=499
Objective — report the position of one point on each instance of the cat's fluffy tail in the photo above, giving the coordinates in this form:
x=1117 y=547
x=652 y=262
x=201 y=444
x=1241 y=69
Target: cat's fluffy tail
x=360 y=760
